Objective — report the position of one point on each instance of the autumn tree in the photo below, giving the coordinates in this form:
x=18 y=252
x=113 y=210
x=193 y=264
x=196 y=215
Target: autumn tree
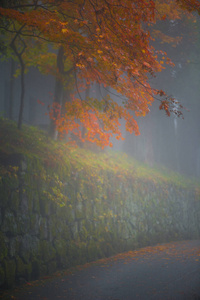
x=106 y=42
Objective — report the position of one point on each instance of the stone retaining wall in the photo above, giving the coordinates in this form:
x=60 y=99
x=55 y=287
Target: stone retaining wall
x=103 y=214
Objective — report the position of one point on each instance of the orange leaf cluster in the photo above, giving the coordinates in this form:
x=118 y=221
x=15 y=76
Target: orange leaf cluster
x=107 y=42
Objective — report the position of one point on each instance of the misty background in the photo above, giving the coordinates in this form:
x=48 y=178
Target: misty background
x=170 y=141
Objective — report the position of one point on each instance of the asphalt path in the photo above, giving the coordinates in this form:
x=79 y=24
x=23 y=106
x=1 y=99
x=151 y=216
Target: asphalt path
x=166 y=271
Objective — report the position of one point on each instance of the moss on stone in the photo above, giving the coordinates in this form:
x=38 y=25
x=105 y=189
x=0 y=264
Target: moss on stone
x=60 y=247
x=35 y=268
x=89 y=209
x=53 y=226
x=66 y=234
x=9 y=223
x=79 y=211
x=92 y=250
x=47 y=251
x=2 y=276
x=14 y=201
x=43 y=229
x=87 y=227
x=73 y=253
x=84 y=234
x=23 y=270
x=10 y=272
x=59 y=229
x=44 y=206
x=3 y=247
x=77 y=252
x=20 y=266
x=52 y=266
x=43 y=269
x=69 y=214
x=36 y=202
x=23 y=223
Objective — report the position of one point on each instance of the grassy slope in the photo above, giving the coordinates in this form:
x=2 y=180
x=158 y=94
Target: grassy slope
x=34 y=143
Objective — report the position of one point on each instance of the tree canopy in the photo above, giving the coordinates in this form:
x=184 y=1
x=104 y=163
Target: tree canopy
x=111 y=43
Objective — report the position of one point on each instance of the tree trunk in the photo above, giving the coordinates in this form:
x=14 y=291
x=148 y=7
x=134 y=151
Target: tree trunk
x=19 y=54
x=58 y=92
x=21 y=109
x=22 y=73
x=11 y=102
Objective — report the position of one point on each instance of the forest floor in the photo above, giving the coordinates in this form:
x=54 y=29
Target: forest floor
x=166 y=271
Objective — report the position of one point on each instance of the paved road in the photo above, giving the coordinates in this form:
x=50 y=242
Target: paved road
x=167 y=271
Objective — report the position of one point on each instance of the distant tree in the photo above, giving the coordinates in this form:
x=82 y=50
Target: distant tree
x=108 y=42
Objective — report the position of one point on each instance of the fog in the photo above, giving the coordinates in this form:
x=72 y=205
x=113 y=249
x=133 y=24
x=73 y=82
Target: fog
x=173 y=141
x=169 y=141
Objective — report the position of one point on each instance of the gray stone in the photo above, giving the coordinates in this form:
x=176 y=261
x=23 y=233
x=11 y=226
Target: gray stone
x=74 y=229
x=9 y=225
x=35 y=221
x=24 y=204
x=23 y=223
x=43 y=230
x=13 y=246
x=2 y=275
x=23 y=165
x=1 y=218
x=29 y=246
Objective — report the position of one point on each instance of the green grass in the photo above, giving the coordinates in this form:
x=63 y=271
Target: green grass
x=34 y=143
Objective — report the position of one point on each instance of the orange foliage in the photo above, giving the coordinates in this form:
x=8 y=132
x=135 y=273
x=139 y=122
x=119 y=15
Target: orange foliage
x=108 y=42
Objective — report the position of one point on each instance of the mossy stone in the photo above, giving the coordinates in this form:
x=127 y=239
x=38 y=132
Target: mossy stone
x=89 y=209
x=47 y=251
x=29 y=246
x=66 y=234
x=2 y=276
x=72 y=251
x=3 y=247
x=43 y=229
x=82 y=252
x=23 y=223
x=14 y=201
x=4 y=196
x=43 y=269
x=63 y=211
x=35 y=268
x=89 y=225
x=76 y=253
x=36 y=202
x=34 y=222
x=10 y=272
x=92 y=250
x=108 y=249
x=75 y=230
x=61 y=252
x=53 y=227
x=14 y=246
x=84 y=234
x=44 y=206
x=23 y=270
x=52 y=266
x=79 y=211
x=68 y=214
x=20 y=267
x=60 y=247
x=9 y=224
